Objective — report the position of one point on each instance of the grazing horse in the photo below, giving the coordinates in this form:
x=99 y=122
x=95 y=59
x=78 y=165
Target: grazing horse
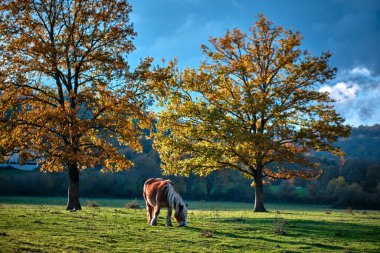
x=160 y=193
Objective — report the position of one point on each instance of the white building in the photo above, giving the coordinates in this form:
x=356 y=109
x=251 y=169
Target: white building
x=14 y=162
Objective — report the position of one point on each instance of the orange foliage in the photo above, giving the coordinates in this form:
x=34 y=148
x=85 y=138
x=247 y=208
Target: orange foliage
x=67 y=95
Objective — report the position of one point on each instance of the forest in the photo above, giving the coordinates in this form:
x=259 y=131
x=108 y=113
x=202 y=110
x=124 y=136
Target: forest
x=349 y=182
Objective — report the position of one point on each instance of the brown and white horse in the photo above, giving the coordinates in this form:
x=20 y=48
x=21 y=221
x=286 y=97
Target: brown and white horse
x=160 y=193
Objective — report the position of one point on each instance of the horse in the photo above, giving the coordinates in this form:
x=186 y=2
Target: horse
x=160 y=193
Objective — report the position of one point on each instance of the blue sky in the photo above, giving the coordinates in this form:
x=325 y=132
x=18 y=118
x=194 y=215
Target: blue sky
x=350 y=29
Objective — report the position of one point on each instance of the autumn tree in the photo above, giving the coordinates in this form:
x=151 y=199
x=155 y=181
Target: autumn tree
x=68 y=97
x=253 y=105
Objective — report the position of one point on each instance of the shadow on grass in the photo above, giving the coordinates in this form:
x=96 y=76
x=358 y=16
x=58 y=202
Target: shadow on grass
x=303 y=245
x=338 y=232
x=313 y=227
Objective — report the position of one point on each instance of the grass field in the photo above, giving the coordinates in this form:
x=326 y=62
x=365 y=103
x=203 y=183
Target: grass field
x=31 y=225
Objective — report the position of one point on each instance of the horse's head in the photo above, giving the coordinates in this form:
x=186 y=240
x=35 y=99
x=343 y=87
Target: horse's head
x=181 y=214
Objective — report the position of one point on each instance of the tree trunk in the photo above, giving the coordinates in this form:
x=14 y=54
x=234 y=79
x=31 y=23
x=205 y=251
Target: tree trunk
x=259 y=193
x=73 y=191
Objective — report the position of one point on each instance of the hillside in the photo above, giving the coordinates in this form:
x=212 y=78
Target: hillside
x=364 y=143
x=354 y=181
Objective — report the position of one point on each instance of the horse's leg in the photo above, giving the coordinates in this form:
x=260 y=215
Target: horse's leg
x=155 y=215
x=149 y=210
x=169 y=217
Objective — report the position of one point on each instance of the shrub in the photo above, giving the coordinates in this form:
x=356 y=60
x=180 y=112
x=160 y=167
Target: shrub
x=279 y=225
x=91 y=203
x=133 y=205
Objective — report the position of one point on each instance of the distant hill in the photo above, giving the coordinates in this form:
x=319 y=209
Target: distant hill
x=352 y=182
x=363 y=143
x=16 y=166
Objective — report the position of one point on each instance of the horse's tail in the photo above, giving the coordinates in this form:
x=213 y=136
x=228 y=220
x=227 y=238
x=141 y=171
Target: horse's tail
x=147 y=182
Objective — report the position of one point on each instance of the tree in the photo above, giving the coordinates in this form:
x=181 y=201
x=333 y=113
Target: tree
x=68 y=98
x=251 y=106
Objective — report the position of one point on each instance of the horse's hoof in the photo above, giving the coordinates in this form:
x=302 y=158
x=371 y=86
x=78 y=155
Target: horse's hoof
x=183 y=224
x=169 y=225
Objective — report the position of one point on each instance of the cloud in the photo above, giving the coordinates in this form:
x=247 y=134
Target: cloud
x=357 y=95
x=360 y=71
x=342 y=91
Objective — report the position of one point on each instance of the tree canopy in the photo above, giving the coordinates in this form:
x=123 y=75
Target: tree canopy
x=253 y=105
x=68 y=97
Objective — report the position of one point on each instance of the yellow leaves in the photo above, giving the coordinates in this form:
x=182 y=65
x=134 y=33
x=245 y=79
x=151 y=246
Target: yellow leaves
x=117 y=163
x=250 y=104
x=51 y=165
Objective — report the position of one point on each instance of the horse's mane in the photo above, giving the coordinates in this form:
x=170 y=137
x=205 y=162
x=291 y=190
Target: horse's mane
x=174 y=199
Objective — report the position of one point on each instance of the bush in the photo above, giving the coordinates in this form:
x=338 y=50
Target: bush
x=133 y=205
x=279 y=225
x=91 y=203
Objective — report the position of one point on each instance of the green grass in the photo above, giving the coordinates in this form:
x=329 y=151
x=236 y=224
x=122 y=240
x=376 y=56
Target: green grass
x=198 y=205
x=213 y=227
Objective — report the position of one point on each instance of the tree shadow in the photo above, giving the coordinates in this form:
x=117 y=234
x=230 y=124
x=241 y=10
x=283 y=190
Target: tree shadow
x=343 y=233
x=282 y=242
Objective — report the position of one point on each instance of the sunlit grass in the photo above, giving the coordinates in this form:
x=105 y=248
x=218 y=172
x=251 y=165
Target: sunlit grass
x=199 y=205
x=213 y=227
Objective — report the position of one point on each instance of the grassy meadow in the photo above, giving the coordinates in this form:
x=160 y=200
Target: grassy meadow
x=43 y=225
